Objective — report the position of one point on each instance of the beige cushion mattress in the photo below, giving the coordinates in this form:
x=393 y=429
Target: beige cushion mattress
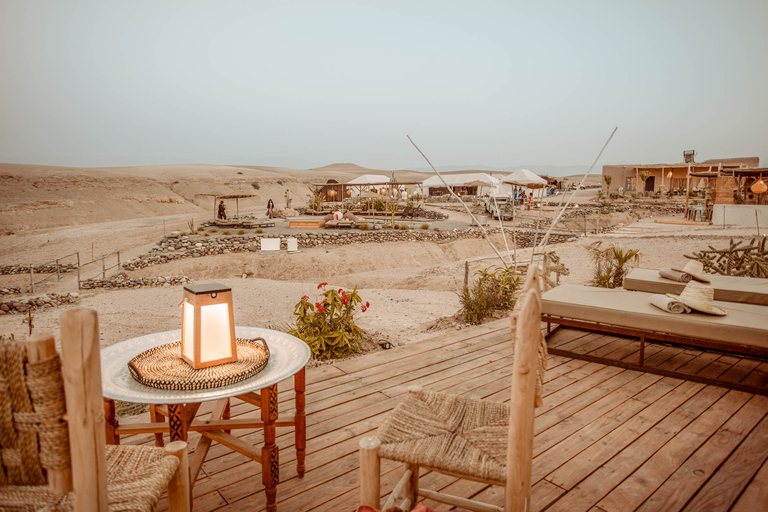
x=748 y=290
x=744 y=324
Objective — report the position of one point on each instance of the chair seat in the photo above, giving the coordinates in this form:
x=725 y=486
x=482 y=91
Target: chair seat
x=449 y=433
x=137 y=476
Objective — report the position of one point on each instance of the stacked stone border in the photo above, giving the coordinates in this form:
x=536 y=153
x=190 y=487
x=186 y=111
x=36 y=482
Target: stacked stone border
x=49 y=300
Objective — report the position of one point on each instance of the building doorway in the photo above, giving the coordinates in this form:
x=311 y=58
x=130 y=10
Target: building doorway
x=650 y=184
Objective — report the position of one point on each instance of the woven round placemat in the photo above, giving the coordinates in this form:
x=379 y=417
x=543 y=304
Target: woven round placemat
x=163 y=368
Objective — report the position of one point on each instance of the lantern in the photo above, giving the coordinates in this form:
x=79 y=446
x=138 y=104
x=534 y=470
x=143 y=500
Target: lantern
x=759 y=186
x=207 y=326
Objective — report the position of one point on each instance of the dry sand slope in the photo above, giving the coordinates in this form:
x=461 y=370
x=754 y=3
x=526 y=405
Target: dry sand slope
x=412 y=286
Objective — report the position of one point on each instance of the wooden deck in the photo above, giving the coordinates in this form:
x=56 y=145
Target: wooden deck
x=607 y=439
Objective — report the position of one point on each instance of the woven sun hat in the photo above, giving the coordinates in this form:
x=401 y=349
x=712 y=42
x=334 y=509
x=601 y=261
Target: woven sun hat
x=699 y=296
x=695 y=269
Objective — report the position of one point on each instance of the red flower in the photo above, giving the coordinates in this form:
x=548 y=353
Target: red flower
x=344 y=299
x=364 y=308
x=318 y=306
x=367 y=305
x=321 y=310
x=305 y=298
x=341 y=290
x=321 y=285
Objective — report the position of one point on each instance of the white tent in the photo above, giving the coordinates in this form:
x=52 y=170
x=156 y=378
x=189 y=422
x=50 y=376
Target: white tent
x=462 y=180
x=525 y=178
x=366 y=179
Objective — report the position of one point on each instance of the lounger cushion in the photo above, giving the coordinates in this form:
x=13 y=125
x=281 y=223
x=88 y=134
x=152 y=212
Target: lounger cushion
x=744 y=324
x=748 y=290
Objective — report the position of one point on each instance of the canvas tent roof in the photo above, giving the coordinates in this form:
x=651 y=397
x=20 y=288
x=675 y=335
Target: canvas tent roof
x=525 y=178
x=459 y=180
x=366 y=179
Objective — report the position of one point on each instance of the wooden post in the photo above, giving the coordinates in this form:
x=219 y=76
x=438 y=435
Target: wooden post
x=370 y=468
x=39 y=348
x=103 y=268
x=111 y=422
x=78 y=270
x=58 y=274
x=81 y=371
x=687 y=189
x=179 y=488
x=118 y=261
x=466 y=274
x=527 y=330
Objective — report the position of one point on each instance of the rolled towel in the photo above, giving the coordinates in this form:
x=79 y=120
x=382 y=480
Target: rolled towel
x=675 y=275
x=668 y=304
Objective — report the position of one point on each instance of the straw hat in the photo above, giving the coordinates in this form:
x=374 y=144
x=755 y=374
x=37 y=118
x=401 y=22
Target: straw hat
x=700 y=297
x=695 y=269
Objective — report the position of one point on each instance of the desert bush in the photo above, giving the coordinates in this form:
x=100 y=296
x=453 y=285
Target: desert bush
x=225 y=232
x=183 y=233
x=404 y=227
x=494 y=290
x=259 y=231
x=256 y=185
x=396 y=226
x=364 y=226
x=191 y=225
x=611 y=264
x=241 y=232
x=207 y=234
x=328 y=326
x=425 y=226
x=200 y=228
x=213 y=230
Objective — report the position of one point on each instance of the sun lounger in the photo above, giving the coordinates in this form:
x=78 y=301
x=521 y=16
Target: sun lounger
x=345 y=223
x=743 y=330
x=748 y=290
x=331 y=224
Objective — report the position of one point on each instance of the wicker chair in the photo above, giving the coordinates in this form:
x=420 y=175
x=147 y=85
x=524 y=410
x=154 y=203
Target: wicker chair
x=52 y=435
x=478 y=440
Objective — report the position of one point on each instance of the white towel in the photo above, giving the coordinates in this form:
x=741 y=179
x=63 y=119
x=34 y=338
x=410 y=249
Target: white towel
x=675 y=275
x=668 y=304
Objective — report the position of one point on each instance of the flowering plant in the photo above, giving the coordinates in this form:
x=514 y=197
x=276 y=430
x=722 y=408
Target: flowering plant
x=328 y=325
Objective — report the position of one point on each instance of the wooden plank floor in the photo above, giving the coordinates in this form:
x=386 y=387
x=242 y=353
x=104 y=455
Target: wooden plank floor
x=606 y=439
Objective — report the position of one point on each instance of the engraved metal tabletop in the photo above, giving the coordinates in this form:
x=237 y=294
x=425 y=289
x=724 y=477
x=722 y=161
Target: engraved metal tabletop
x=287 y=355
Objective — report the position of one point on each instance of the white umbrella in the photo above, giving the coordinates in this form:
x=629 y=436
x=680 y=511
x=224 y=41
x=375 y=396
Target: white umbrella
x=525 y=178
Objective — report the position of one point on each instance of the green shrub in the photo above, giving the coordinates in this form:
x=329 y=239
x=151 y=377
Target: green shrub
x=493 y=290
x=259 y=230
x=241 y=232
x=225 y=232
x=200 y=228
x=425 y=226
x=328 y=326
x=364 y=226
x=404 y=227
x=213 y=230
x=611 y=264
x=207 y=234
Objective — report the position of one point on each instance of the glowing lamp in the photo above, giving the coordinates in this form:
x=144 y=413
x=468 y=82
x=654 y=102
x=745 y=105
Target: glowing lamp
x=669 y=174
x=759 y=186
x=207 y=326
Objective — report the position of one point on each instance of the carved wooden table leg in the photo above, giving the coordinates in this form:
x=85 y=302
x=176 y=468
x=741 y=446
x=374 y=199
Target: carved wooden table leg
x=156 y=417
x=110 y=421
x=177 y=420
x=300 y=432
x=270 y=462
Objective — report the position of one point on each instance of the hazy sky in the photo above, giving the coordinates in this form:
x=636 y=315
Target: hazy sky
x=306 y=84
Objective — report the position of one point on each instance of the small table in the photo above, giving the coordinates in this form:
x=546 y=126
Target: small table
x=288 y=356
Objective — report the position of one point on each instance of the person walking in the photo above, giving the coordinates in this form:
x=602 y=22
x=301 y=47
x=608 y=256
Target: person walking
x=270 y=209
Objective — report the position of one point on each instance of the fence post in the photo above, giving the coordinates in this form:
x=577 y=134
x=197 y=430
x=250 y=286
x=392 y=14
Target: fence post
x=58 y=274
x=78 y=270
x=31 y=278
x=118 y=261
x=103 y=269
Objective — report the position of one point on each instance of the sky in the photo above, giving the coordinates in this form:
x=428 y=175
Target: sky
x=309 y=83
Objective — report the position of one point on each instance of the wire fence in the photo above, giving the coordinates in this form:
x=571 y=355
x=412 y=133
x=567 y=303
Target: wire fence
x=54 y=267
x=104 y=268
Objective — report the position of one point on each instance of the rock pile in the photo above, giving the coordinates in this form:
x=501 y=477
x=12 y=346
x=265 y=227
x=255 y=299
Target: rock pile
x=49 y=300
x=175 y=246
x=122 y=280
x=39 y=269
x=10 y=290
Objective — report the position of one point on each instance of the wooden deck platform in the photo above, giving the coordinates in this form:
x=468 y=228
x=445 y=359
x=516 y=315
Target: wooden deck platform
x=606 y=439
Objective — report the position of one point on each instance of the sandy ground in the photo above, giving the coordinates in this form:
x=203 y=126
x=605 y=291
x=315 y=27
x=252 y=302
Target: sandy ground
x=411 y=286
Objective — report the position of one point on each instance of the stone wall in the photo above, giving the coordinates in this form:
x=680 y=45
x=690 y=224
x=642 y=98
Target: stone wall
x=49 y=300
x=39 y=269
x=174 y=247
x=122 y=280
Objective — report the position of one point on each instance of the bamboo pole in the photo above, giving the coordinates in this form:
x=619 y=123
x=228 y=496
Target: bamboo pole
x=370 y=469
x=450 y=189
x=543 y=243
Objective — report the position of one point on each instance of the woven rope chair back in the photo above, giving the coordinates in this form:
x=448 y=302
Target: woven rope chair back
x=33 y=433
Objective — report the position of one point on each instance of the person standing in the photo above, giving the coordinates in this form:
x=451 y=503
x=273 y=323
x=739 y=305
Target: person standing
x=270 y=209
x=222 y=211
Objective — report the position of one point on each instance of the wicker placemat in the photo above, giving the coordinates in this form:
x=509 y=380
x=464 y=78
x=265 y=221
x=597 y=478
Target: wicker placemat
x=163 y=368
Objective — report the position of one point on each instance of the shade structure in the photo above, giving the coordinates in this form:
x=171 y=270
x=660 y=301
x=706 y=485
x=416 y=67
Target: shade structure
x=366 y=179
x=525 y=178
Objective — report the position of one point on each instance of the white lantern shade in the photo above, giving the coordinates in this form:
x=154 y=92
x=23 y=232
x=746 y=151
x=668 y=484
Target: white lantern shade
x=208 y=326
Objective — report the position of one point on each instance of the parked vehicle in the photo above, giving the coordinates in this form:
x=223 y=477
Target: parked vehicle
x=499 y=206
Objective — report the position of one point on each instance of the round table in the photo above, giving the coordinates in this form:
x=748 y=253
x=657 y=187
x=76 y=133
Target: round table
x=288 y=356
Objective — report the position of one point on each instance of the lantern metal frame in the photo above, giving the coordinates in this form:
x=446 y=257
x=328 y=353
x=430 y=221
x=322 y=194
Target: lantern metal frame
x=199 y=297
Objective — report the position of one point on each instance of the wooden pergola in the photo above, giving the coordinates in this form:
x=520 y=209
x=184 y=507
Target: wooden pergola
x=338 y=191
x=236 y=197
